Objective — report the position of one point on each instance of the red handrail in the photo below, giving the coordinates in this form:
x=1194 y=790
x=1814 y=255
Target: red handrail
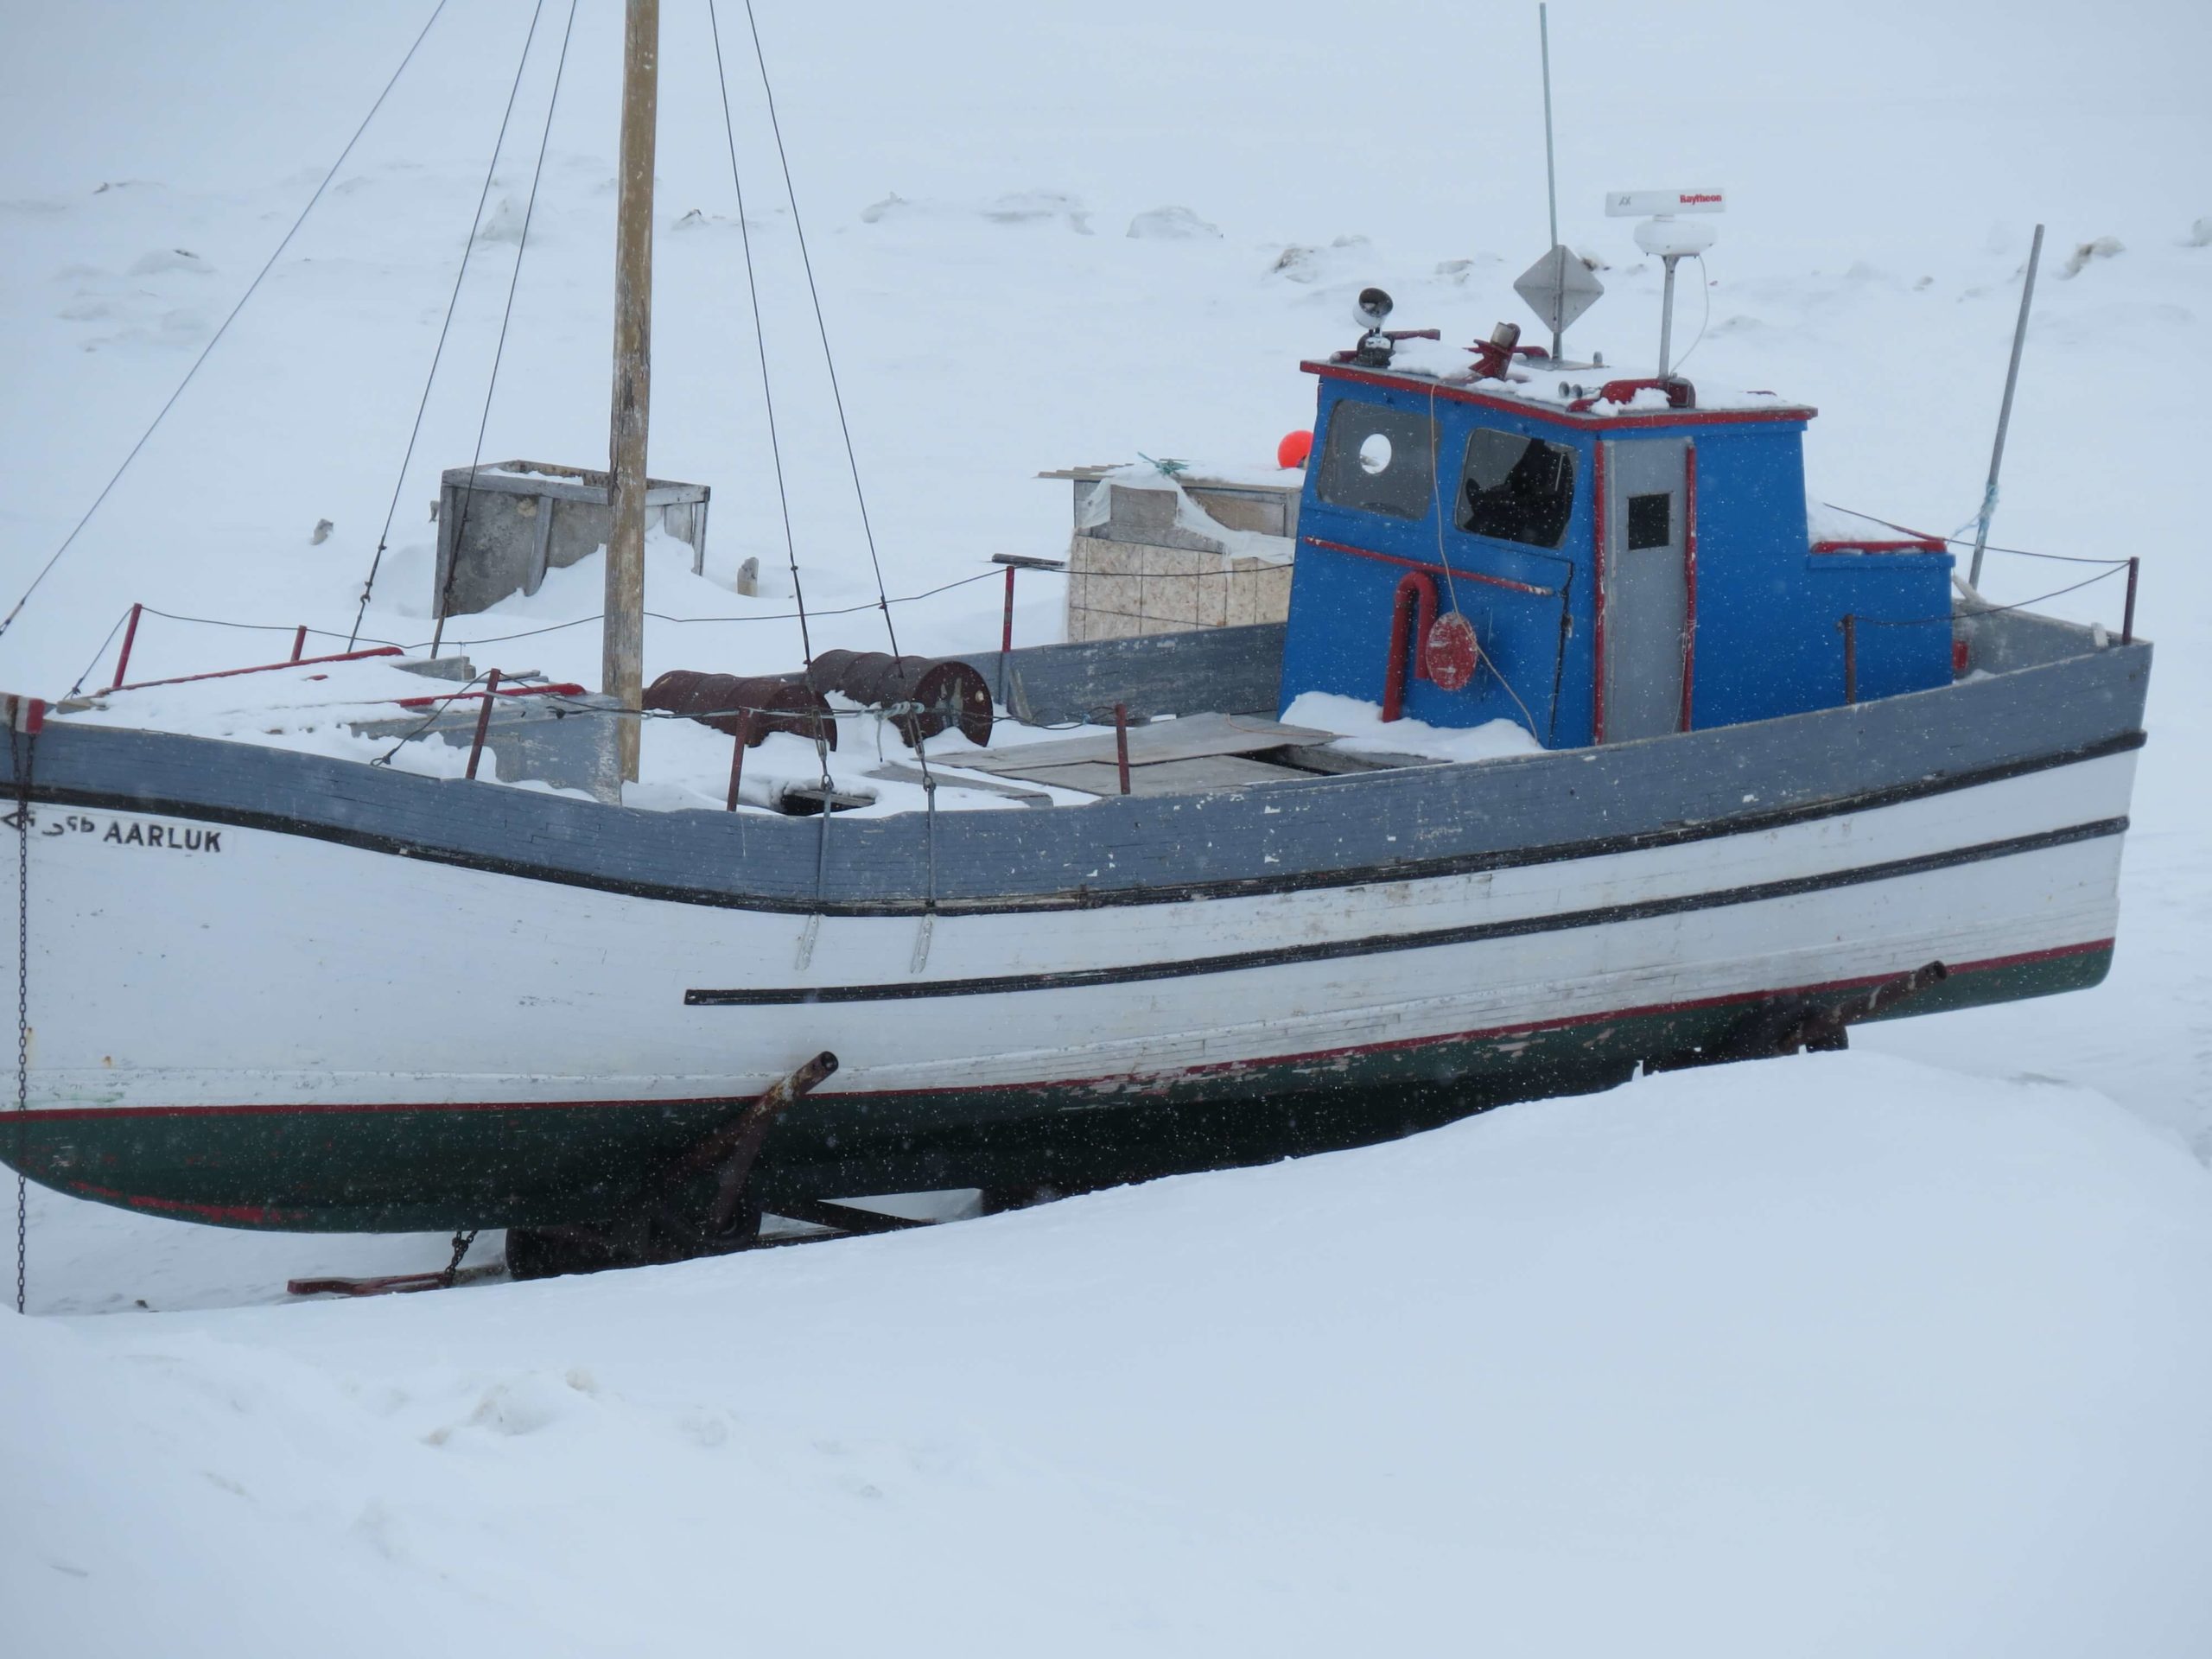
x=1414 y=601
x=263 y=668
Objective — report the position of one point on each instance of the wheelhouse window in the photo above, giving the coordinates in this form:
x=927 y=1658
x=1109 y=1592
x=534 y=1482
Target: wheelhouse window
x=1650 y=520
x=1516 y=489
x=1378 y=459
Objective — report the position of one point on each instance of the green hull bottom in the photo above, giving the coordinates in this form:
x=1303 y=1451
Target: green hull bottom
x=385 y=1170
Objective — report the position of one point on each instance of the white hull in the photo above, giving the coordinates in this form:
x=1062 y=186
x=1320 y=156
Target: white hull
x=264 y=968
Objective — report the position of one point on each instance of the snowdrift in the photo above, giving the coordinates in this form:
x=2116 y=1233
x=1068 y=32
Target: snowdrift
x=1837 y=1355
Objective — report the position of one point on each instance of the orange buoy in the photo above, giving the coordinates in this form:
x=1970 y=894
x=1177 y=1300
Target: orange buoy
x=1294 y=449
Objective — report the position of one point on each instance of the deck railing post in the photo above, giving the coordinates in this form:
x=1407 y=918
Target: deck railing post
x=737 y=759
x=300 y=642
x=1121 y=743
x=1850 y=658
x=2127 y=616
x=130 y=639
x=483 y=720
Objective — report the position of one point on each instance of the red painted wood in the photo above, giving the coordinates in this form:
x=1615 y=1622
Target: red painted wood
x=263 y=668
x=560 y=688
x=1455 y=573
x=1413 y=608
x=1535 y=411
x=1689 y=577
x=1913 y=544
x=130 y=639
x=1598 y=596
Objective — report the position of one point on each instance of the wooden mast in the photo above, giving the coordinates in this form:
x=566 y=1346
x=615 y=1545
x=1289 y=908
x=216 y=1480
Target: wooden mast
x=622 y=659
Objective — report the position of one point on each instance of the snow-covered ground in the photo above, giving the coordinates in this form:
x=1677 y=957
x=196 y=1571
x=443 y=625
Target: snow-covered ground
x=1856 y=1355
x=1834 y=1355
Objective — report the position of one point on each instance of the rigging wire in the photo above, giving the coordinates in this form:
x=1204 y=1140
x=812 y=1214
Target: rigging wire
x=526 y=633
x=760 y=337
x=467 y=247
x=1986 y=610
x=821 y=327
x=860 y=496
x=1959 y=541
x=67 y=541
x=79 y=684
x=506 y=316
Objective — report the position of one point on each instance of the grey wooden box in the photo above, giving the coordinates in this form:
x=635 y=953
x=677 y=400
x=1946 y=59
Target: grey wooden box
x=518 y=519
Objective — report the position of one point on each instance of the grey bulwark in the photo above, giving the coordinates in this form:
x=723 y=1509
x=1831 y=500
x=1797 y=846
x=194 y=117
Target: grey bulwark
x=2060 y=697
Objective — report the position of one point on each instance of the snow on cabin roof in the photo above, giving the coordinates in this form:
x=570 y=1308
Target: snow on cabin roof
x=1540 y=390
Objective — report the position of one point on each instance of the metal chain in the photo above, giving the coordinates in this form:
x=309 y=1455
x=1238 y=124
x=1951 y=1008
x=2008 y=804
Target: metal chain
x=461 y=1241
x=19 y=761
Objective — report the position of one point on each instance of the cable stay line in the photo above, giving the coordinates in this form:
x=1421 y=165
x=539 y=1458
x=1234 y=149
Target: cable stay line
x=761 y=341
x=506 y=316
x=467 y=247
x=821 y=327
x=277 y=253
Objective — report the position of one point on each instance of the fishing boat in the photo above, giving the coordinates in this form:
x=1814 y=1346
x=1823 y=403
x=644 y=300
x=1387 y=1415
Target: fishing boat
x=1766 y=780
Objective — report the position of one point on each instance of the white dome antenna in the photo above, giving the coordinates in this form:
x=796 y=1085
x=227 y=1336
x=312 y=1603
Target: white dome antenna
x=1669 y=236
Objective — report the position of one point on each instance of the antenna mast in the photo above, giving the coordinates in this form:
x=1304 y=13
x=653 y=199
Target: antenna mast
x=2004 y=414
x=1551 y=186
x=622 y=654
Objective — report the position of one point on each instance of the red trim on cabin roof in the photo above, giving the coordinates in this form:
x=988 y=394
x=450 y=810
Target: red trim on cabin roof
x=1433 y=569
x=1912 y=544
x=1592 y=422
x=1689 y=577
x=1215 y=1067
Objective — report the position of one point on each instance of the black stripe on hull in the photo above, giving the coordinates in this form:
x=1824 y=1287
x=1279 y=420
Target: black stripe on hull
x=1472 y=934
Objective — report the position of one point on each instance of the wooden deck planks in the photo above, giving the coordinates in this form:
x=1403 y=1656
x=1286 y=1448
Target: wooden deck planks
x=1189 y=777
x=1192 y=737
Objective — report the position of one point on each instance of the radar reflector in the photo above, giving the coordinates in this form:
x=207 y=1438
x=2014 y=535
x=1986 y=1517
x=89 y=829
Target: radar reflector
x=1559 y=288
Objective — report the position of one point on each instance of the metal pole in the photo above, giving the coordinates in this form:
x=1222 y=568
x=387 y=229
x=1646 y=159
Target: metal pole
x=1850 y=658
x=483 y=720
x=130 y=639
x=299 y=642
x=2127 y=617
x=623 y=649
x=1666 y=315
x=1121 y=743
x=737 y=760
x=1551 y=189
x=2005 y=413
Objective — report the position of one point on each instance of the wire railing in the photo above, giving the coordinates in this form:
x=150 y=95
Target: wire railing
x=305 y=631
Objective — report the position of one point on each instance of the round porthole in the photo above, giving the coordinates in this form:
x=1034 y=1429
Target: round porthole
x=1373 y=453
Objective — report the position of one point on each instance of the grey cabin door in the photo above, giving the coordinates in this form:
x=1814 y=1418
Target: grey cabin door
x=1644 y=587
